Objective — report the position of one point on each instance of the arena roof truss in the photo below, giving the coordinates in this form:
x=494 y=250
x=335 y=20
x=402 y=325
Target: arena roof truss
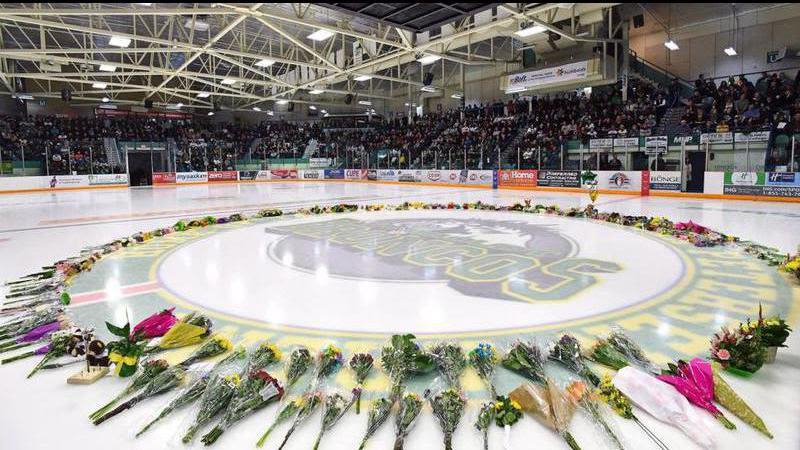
x=237 y=56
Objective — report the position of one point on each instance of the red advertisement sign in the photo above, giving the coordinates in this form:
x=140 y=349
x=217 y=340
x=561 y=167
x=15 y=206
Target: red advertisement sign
x=283 y=174
x=164 y=178
x=517 y=178
x=225 y=175
x=645 y=183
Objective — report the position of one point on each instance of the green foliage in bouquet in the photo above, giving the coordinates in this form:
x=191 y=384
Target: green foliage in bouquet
x=774 y=330
x=403 y=358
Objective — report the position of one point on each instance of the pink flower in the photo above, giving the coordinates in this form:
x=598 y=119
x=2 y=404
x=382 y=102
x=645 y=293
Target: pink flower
x=723 y=354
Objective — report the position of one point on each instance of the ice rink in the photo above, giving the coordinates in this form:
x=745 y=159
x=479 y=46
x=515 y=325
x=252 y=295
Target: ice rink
x=300 y=280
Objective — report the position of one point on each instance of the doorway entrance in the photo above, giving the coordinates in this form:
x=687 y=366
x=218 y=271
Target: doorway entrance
x=140 y=168
x=698 y=171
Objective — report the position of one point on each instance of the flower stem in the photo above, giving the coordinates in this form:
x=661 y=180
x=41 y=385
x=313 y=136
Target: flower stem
x=286 y=438
x=18 y=357
x=573 y=444
x=212 y=436
x=127 y=405
x=725 y=422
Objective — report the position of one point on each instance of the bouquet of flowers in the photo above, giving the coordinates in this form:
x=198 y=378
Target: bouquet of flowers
x=774 y=330
x=625 y=345
x=58 y=346
x=567 y=351
x=37 y=334
x=265 y=354
x=507 y=412
x=125 y=351
x=378 y=413
x=739 y=349
x=150 y=369
x=793 y=266
x=526 y=358
x=402 y=359
x=217 y=345
x=335 y=407
x=194 y=391
x=451 y=362
x=410 y=407
x=162 y=383
x=548 y=404
x=664 y=403
x=256 y=392
x=192 y=329
x=288 y=411
x=580 y=395
x=483 y=358
x=329 y=360
x=730 y=400
x=299 y=362
x=448 y=407
x=361 y=363
x=621 y=405
x=484 y=421
x=696 y=382
x=215 y=398
x=155 y=326
x=605 y=354
x=310 y=402
x=27 y=323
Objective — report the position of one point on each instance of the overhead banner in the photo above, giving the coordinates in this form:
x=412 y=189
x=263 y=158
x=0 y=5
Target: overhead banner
x=517 y=178
x=551 y=75
x=191 y=177
x=559 y=178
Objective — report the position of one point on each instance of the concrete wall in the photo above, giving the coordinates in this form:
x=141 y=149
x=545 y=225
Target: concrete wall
x=701 y=45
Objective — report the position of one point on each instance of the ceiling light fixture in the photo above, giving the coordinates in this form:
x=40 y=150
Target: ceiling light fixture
x=203 y=95
x=363 y=78
x=99 y=85
x=265 y=63
x=211 y=113
x=316 y=91
x=530 y=31
x=320 y=35
x=672 y=45
x=228 y=81
x=365 y=102
x=282 y=102
x=428 y=59
x=119 y=41
x=730 y=51
x=107 y=68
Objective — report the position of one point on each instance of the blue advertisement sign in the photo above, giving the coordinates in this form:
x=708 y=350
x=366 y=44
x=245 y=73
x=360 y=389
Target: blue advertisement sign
x=334 y=174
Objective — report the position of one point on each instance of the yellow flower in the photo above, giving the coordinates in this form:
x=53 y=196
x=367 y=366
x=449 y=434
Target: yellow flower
x=498 y=405
x=516 y=405
x=793 y=265
x=224 y=342
x=276 y=351
x=233 y=379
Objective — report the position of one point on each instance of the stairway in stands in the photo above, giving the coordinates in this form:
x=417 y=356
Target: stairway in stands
x=113 y=156
x=670 y=121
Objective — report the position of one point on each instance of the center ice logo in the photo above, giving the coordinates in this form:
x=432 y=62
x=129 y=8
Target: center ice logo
x=511 y=260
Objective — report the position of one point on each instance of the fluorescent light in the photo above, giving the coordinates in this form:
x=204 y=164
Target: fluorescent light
x=363 y=78
x=316 y=91
x=536 y=29
x=119 y=41
x=406 y=104
x=228 y=81
x=203 y=95
x=107 y=68
x=428 y=59
x=457 y=95
x=270 y=113
x=312 y=107
x=211 y=113
x=320 y=35
x=198 y=25
x=99 y=85
x=365 y=102
x=23 y=96
x=265 y=63
x=179 y=105
x=324 y=111
x=256 y=108
x=145 y=4
x=427 y=89
x=730 y=51
x=106 y=99
x=670 y=44
x=282 y=102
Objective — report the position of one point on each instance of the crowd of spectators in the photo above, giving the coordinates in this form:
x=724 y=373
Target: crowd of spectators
x=737 y=103
x=531 y=129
